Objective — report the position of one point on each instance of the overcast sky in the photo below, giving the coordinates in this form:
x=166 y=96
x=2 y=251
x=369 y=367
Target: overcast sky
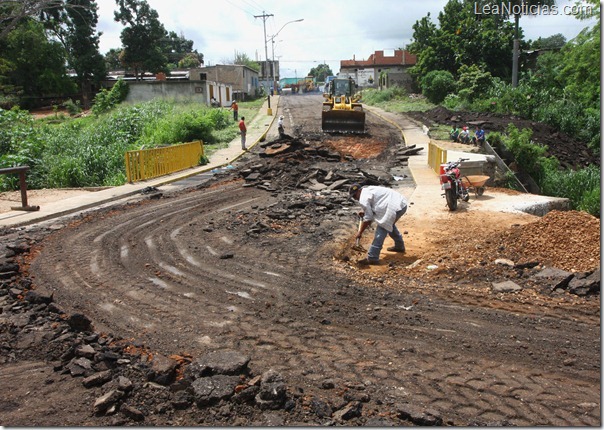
x=331 y=30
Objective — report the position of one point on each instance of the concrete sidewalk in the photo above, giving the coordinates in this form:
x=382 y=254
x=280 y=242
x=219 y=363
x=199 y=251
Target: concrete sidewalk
x=257 y=130
x=428 y=195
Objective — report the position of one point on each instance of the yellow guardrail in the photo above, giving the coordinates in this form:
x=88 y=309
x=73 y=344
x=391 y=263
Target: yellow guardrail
x=436 y=157
x=151 y=163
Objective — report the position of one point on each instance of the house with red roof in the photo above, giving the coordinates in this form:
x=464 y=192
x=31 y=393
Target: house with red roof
x=382 y=69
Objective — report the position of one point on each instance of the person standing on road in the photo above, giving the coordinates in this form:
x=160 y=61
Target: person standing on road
x=280 y=127
x=384 y=206
x=235 y=109
x=243 y=131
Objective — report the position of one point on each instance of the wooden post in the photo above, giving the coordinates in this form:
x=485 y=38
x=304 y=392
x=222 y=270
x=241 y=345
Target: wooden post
x=22 y=185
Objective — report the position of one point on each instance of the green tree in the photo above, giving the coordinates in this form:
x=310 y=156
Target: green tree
x=176 y=48
x=473 y=82
x=437 y=84
x=243 y=60
x=77 y=30
x=37 y=64
x=112 y=59
x=142 y=37
x=515 y=9
x=190 y=61
x=13 y=12
x=555 y=41
x=462 y=38
x=321 y=72
x=581 y=66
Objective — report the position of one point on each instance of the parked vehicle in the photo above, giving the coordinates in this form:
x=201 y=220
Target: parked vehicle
x=453 y=185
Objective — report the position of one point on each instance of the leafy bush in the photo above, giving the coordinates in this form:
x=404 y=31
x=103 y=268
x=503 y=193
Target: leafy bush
x=473 y=82
x=495 y=139
x=453 y=102
x=15 y=125
x=529 y=156
x=180 y=126
x=581 y=187
x=72 y=107
x=107 y=99
x=21 y=143
x=90 y=151
x=375 y=96
x=437 y=84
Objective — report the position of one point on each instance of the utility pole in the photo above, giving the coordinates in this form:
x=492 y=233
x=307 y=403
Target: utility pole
x=264 y=17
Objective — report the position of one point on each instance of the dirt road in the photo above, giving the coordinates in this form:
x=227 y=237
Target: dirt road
x=269 y=272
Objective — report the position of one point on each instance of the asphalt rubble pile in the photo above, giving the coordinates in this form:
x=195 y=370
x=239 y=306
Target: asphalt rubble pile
x=310 y=178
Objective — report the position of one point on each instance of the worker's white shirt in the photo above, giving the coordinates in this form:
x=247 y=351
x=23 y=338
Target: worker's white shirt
x=381 y=204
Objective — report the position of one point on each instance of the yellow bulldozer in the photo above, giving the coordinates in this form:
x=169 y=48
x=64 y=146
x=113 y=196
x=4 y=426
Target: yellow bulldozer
x=342 y=111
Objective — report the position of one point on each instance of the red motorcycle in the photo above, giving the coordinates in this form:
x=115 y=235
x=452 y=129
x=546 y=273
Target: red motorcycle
x=451 y=183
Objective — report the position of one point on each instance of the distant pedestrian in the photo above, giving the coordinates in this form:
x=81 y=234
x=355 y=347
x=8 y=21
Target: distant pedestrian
x=235 y=109
x=280 y=127
x=243 y=131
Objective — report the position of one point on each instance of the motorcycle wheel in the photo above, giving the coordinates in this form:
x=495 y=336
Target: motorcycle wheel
x=451 y=197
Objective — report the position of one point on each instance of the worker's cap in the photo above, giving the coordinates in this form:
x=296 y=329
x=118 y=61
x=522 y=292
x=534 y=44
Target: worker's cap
x=465 y=128
x=281 y=117
x=353 y=189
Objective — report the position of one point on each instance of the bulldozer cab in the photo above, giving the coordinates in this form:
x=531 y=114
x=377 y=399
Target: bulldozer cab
x=341 y=112
x=342 y=87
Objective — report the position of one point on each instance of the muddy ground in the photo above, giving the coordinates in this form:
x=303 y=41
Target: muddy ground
x=239 y=302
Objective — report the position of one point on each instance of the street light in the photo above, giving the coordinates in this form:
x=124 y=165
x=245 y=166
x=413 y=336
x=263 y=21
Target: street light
x=272 y=38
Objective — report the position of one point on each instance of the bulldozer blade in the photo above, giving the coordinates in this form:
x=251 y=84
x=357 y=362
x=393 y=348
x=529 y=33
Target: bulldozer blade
x=343 y=121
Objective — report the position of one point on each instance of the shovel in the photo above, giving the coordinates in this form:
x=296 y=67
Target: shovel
x=357 y=244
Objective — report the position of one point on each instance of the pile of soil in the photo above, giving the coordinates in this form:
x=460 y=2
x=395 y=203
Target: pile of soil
x=570 y=151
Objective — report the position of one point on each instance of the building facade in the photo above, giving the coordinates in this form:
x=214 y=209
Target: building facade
x=381 y=70
x=244 y=80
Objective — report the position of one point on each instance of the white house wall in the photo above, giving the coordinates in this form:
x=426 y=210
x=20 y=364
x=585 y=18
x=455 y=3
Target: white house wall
x=198 y=91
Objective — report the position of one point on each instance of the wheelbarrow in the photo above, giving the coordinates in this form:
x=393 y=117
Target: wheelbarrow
x=475 y=183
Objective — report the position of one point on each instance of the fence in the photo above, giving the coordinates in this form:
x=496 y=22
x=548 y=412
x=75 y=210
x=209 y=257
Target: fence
x=151 y=163
x=436 y=157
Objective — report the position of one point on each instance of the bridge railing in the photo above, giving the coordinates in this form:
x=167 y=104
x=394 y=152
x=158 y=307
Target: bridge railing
x=152 y=163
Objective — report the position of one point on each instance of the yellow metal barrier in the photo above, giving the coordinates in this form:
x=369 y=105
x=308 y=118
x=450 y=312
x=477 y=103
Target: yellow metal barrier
x=151 y=163
x=436 y=157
